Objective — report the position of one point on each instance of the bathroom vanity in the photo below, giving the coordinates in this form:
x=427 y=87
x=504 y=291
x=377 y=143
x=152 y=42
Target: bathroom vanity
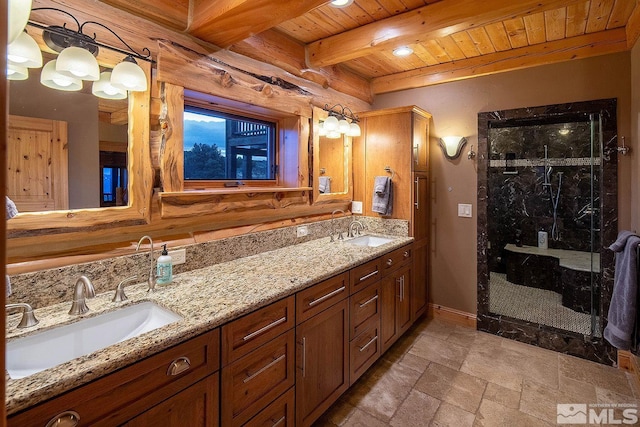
x=270 y=338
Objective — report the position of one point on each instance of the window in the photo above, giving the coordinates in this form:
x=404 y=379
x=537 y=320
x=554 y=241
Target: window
x=222 y=146
x=113 y=179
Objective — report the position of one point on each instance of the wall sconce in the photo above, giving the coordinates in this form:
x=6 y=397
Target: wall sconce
x=452 y=146
x=341 y=121
x=77 y=60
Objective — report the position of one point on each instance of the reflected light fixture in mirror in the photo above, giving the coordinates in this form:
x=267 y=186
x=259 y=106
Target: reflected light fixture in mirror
x=24 y=51
x=452 y=146
x=18 y=14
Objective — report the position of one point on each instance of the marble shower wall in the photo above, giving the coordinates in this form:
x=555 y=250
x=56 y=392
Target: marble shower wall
x=520 y=204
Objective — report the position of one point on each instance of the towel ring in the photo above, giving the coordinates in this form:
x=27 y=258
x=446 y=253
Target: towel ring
x=391 y=171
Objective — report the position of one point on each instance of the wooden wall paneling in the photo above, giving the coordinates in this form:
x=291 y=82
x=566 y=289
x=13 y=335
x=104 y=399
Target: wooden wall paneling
x=172 y=135
x=599 y=15
x=555 y=23
x=498 y=36
x=577 y=15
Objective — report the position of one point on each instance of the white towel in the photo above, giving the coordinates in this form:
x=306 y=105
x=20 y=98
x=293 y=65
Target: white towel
x=324 y=184
x=12 y=210
x=382 y=195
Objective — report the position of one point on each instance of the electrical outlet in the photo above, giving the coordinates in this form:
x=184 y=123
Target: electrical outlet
x=302 y=231
x=178 y=256
x=356 y=207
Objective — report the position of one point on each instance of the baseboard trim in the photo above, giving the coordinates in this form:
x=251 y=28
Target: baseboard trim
x=462 y=318
x=629 y=362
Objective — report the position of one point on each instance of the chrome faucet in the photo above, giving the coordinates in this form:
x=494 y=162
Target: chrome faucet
x=28 y=318
x=333 y=228
x=83 y=289
x=120 y=295
x=358 y=228
x=152 y=276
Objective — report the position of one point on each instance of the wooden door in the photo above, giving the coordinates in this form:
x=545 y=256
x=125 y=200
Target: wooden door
x=420 y=143
x=322 y=356
x=395 y=310
x=196 y=406
x=420 y=215
x=420 y=279
x=37 y=161
x=403 y=281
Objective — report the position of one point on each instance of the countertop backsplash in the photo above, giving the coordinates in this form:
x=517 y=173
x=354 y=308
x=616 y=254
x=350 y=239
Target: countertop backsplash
x=53 y=286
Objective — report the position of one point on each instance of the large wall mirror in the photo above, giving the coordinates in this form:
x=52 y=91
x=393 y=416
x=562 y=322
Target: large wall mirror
x=332 y=165
x=74 y=160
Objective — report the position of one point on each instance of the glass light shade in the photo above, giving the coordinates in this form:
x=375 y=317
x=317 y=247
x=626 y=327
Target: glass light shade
x=129 y=76
x=51 y=78
x=18 y=14
x=321 y=129
x=17 y=72
x=341 y=3
x=333 y=134
x=24 y=51
x=452 y=146
x=354 y=130
x=343 y=126
x=79 y=63
x=331 y=124
x=104 y=89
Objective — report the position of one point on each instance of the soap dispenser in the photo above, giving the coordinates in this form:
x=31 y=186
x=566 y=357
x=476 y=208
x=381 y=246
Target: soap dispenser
x=164 y=273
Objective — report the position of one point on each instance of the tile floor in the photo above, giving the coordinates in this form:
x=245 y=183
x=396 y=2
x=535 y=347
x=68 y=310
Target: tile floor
x=441 y=374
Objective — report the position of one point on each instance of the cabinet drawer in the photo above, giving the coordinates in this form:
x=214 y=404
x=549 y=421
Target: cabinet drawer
x=253 y=381
x=315 y=299
x=364 y=305
x=395 y=259
x=120 y=396
x=279 y=413
x=364 y=275
x=364 y=350
x=251 y=331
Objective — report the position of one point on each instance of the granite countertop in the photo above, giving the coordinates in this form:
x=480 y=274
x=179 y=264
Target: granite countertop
x=574 y=260
x=206 y=298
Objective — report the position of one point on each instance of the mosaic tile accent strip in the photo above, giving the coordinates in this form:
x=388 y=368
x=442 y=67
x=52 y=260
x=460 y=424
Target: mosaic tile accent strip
x=530 y=163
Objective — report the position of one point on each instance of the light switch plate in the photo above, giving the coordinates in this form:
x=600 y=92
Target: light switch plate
x=302 y=231
x=464 y=210
x=356 y=207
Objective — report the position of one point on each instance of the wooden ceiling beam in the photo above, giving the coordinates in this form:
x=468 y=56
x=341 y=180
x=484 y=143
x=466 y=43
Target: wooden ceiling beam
x=225 y=22
x=433 y=21
x=633 y=27
x=277 y=49
x=171 y=13
x=585 y=46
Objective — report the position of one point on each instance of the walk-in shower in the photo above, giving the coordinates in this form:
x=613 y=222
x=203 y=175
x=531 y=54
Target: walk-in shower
x=545 y=177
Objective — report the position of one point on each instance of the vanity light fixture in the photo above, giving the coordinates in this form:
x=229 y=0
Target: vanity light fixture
x=341 y=121
x=18 y=14
x=17 y=72
x=402 y=51
x=24 y=52
x=77 y=60
x=452 y=146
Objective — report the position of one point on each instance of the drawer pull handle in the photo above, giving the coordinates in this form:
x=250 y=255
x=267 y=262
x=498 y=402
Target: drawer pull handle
x=264 y=368
x=178 y=366
x=327 y=296
x=371 y=341
x=264 y=329
x=304 y=356
x=64 y=419
x=369 y=301
x=389 y=262
x=373 y=273
x=279 y=421
x=406 y=254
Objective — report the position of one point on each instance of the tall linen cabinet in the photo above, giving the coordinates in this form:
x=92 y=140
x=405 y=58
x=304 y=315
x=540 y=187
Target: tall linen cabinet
x=395 y=143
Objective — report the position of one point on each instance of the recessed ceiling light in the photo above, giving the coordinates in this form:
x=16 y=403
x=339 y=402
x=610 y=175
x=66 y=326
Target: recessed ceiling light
x=403 y=51
x=341 y=3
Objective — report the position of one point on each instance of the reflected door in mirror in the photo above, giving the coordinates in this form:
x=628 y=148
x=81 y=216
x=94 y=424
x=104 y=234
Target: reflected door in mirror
x=37 y=160
x=332 y=165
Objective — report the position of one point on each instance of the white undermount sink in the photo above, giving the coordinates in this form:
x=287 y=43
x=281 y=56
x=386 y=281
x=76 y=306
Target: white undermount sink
x=51 y=347
x=371 y=241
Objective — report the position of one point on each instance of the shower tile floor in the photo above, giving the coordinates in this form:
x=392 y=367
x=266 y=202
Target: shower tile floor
x=535 y=305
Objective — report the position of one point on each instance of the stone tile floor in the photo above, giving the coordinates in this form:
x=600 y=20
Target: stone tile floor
x=440 y=374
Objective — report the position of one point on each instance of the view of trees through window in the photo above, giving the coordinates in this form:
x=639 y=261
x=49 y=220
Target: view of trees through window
x=221 y=146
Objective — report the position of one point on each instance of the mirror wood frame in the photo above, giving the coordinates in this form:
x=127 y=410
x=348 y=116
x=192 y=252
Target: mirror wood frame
x=347 y=194
x=140 y=184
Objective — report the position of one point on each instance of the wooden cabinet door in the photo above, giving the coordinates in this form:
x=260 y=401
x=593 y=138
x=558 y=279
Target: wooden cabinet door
x=420 y=142
x=322 y=362
x=196 y=406
x=395 y=310
x=420 y=279
x=420 y=214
